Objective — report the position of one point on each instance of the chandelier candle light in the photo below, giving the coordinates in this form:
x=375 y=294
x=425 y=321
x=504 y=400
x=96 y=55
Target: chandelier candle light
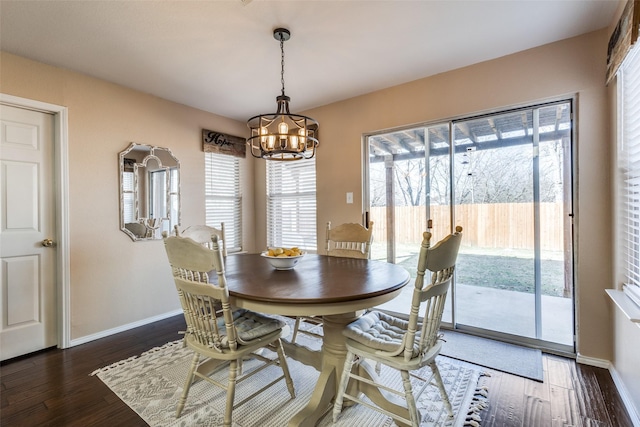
x=282 y=135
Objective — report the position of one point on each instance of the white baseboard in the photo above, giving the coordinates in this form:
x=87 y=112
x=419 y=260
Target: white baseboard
x=624 y=394
x=592 y=361
x=108 y=332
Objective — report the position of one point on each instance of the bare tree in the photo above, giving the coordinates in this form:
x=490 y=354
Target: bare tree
x=377 y=184
x=410 y=181
x=501 y=175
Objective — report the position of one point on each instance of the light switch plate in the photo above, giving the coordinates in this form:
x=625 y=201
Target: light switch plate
x=349 y=197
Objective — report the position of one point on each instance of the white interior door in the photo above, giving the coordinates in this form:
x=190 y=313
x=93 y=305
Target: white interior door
x=27 y=232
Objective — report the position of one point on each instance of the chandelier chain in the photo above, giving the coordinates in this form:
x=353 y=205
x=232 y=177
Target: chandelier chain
x=282 y=62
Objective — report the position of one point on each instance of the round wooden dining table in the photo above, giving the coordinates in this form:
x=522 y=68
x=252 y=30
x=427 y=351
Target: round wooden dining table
x=338 y=289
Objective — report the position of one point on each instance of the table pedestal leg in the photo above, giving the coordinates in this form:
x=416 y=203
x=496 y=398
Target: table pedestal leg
x=334 y=352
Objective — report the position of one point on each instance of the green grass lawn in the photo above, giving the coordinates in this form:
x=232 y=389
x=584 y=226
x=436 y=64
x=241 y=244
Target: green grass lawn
x=501 y=272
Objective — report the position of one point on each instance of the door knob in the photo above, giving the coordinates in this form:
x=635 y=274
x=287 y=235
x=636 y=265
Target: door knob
x=47 y=243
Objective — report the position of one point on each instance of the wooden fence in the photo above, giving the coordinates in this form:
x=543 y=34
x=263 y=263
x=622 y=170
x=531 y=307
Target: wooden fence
x=496 y=225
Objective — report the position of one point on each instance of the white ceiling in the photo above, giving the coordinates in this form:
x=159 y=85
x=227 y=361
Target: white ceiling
x=220 y=56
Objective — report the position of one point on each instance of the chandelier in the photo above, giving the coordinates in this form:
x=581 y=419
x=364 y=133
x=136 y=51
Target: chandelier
x=282 y=135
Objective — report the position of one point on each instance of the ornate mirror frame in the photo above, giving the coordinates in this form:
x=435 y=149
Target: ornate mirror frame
x=149 y=191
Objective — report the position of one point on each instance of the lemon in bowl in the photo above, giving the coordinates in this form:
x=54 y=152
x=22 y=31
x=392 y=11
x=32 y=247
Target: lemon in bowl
x=283 y=258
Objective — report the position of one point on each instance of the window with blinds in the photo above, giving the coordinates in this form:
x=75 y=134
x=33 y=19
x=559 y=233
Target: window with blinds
x=223 y=197
x=128 y=198
x=628 y=159
x=291 y=204
x=174 y=198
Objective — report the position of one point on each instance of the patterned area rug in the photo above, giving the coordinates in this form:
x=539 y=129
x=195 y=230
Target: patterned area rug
x=152 y=383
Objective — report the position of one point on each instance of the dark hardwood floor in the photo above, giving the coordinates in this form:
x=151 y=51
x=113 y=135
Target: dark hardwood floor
x=54 y=388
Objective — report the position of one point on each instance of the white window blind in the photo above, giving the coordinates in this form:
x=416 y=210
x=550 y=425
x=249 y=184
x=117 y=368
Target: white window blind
x=127 y=196
x=223 y=197
x=291 y=204
x=628 y=160
x=174 y=198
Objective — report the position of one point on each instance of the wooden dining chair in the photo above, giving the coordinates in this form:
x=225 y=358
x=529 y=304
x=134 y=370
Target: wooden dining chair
x=138 y=229
x=348 y=241
x=215 y=331
x=203 y=234
x=406 y=346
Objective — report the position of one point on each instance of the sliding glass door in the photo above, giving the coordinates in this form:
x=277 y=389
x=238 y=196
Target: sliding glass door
x=408 y=185
x=506 y=179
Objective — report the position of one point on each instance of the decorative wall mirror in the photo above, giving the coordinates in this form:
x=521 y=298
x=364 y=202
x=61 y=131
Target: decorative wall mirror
x=149 y=191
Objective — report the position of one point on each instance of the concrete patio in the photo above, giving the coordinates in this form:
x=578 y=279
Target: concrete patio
x=502 y=311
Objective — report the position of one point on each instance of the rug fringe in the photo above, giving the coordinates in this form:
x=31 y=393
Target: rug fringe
x=478 y=403
x=163 y=347
x=132 y=358
x=113 y=365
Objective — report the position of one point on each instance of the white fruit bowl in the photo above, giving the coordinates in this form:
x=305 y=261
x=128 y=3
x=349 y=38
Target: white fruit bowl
x=282 y=262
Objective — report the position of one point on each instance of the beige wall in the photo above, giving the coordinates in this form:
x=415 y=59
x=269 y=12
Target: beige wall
x=115 y=281
x=625 y=356
x=571 y=67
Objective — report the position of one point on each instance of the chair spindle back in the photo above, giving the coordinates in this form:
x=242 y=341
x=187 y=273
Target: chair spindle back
x=206 y=305
x=349 y=240
x=440 y=261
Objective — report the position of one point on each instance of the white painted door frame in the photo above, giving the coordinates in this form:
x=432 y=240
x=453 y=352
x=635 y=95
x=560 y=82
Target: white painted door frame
x=61 y=189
